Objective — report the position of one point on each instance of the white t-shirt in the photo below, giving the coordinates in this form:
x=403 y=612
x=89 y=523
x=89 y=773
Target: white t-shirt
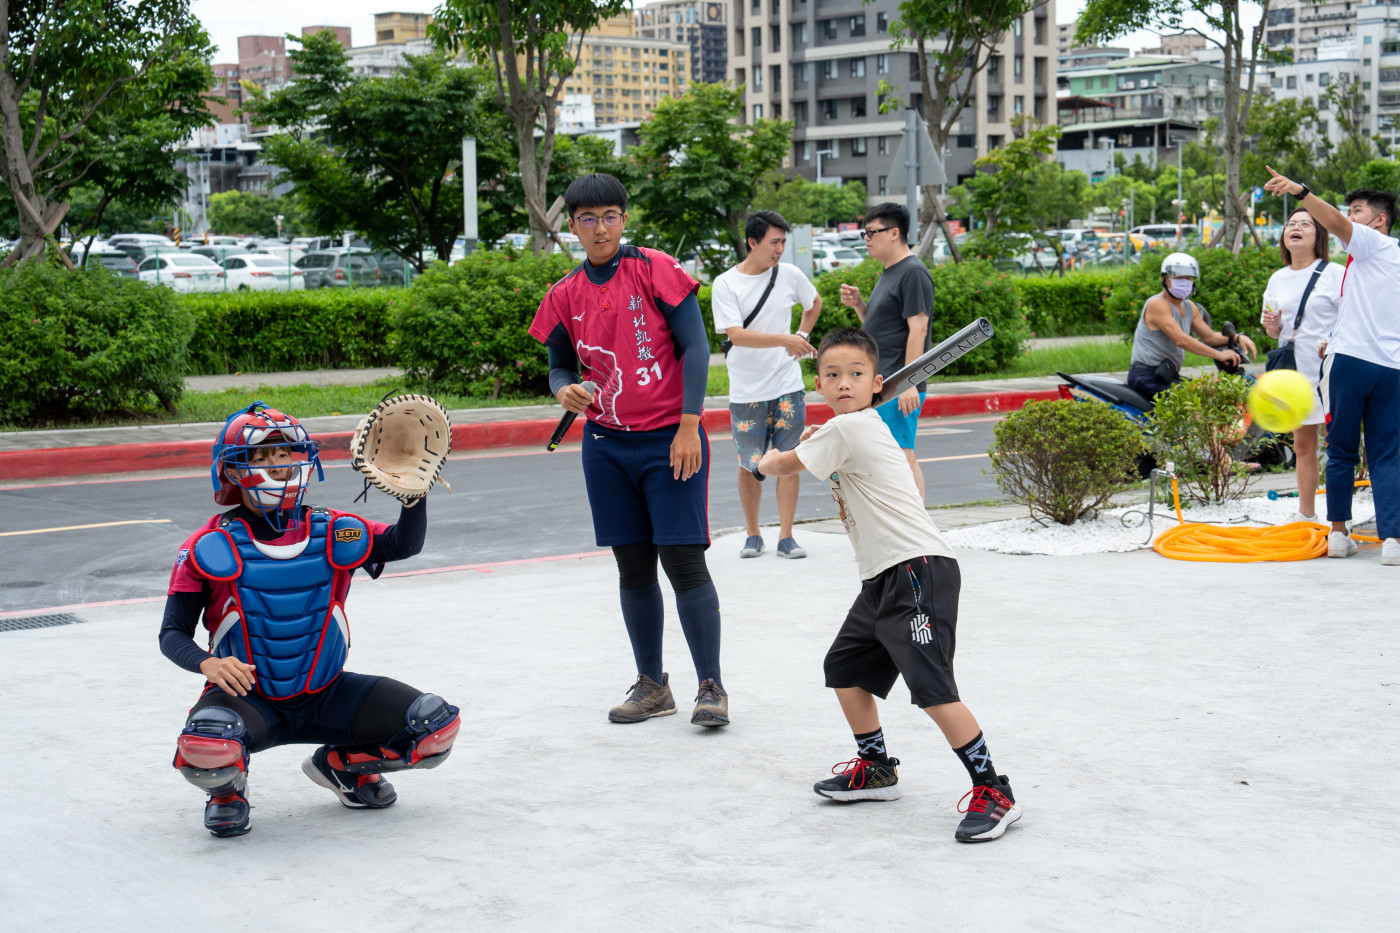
x=872 y=486
x=761 y=374
x=1368 y=319
x=1284 y=291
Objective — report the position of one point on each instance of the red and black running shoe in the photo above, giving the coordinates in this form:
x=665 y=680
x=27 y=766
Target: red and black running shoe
x=356 y=791
x=227 y=814
x=861 y=779
x=993 y=808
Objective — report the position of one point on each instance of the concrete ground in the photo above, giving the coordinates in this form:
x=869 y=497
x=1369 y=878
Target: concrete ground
x=1195 y=746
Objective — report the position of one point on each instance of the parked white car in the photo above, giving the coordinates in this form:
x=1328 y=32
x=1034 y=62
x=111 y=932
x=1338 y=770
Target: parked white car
x=184 y=272
x=259 y=273
x=826 y=258
x=285 y=253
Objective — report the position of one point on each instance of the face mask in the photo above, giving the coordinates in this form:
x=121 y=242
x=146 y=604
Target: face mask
x=1180 y=288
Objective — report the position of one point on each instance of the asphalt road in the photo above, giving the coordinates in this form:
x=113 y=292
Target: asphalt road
x=505 y=505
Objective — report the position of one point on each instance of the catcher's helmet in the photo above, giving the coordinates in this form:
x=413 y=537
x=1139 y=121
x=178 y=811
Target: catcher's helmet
x=259 y=426
x=1181 y=265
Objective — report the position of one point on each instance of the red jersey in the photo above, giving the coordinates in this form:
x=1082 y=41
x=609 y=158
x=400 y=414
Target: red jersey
x=622 y=339
x=183 y=579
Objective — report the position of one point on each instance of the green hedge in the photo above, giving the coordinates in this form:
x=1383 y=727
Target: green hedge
x=962 y=292
x=1231 y=288
x=1057 y=306
x=327 y=328
x=87 y=343
x=463 y=328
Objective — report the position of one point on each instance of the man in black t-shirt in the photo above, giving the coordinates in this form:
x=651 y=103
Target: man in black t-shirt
x=897 y=316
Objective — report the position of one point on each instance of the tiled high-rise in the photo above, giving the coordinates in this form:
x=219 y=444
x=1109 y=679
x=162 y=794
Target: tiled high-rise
x=704 y=24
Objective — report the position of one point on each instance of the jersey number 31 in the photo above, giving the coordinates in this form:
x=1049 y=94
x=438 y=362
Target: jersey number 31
x=644 y=373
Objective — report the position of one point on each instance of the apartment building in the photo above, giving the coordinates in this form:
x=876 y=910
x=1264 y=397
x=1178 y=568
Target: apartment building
x=624 y=74
x=704 y=24
x=342 y=33
x=819 y=63
x=262 y=60
x=396 y=28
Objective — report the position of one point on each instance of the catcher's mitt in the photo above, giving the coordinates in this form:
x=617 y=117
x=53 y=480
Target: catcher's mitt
x=401 y=446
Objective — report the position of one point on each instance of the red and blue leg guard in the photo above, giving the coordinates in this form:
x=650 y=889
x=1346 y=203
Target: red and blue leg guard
x=425 y=741
x=211 y=755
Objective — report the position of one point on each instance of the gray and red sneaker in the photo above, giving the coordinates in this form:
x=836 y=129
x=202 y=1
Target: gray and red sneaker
x=993 y=808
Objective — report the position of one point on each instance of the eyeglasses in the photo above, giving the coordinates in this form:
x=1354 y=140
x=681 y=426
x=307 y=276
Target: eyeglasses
x=1298 y=223
x=867 y=234
x=611 y=219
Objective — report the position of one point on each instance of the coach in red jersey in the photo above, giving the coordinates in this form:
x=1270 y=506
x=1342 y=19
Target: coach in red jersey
x=629 y=319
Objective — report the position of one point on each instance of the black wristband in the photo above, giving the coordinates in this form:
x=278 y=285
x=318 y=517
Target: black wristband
x=1305 y=192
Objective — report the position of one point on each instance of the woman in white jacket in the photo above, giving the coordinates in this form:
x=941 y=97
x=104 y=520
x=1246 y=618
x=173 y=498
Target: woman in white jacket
x=1304 y=250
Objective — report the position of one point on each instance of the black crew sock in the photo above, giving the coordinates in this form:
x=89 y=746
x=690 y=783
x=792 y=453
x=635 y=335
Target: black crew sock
x=871 y=745
x=978 y=761
x=645 y=618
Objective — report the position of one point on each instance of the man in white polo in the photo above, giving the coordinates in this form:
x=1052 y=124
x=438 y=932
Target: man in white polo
x=766 y=408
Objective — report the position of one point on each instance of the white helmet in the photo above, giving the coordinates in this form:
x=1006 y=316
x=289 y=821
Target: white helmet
x=1181 y=264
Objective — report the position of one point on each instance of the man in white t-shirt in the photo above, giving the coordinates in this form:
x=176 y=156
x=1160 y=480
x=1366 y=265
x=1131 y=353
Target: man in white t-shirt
x=1361 y=368
x=766 y=408
x=904 y=622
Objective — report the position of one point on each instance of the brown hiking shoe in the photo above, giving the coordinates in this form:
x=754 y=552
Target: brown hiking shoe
x=646 y=699
x=711 y=705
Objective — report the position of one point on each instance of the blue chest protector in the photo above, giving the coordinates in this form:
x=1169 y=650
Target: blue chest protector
x=284 y=618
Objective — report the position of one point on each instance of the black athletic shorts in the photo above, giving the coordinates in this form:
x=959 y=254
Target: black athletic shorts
x=903 y=622
x=355 y=709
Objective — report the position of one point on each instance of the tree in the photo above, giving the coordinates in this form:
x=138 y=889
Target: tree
x=698 y=173
x=803 y=202
x=1346 y=102
x=1054 y=197
x=248 y=214
x=83 y=85
x=1282 y=134
x=1002 y=195
x=380 y=155
x=532 y=46
x=1104 y=20
x=952 y=42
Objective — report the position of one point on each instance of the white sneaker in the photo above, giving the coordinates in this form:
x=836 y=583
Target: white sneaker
x=1339 y=544
x=1390 y=552
x=1300 y=517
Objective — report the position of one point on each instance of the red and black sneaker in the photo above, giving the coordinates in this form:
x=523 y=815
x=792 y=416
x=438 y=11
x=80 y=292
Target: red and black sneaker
x=861 y=779
x=226 y=814
x=356 y=791
x=993 y=808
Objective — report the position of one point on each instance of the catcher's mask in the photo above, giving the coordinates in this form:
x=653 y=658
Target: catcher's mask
x=265 y=430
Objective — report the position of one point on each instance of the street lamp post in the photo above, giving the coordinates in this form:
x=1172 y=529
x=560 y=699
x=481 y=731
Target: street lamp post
x=820 y=153
x=1179 y=202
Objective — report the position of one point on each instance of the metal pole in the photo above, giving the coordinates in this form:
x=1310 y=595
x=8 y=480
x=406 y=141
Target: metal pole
x=911 y=169
x=1180 y=204
x=469 y=186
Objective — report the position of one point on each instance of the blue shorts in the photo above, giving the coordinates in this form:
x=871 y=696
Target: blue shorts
x=762 y=426
x=632 y=492
x=903 y=427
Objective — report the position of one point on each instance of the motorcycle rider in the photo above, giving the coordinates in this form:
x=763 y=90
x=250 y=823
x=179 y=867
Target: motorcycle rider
x=1166 y=327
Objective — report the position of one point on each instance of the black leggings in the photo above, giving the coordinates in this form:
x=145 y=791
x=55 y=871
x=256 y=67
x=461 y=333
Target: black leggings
x=356 y=709
x=684 y=565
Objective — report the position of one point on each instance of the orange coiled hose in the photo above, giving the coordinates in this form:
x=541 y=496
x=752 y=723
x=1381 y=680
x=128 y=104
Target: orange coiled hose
x=1242 y=545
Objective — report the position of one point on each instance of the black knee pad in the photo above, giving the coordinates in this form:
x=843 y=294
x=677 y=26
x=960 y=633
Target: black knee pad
x=425 y=741
x=636 y=565
x=210 y=752
x=684 y=565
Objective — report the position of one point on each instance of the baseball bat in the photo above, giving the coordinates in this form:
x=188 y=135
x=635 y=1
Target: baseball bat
x=565 y=422
x=974 y=334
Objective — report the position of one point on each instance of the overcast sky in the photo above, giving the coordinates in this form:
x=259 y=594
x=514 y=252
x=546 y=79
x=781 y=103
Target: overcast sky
x=226 y=20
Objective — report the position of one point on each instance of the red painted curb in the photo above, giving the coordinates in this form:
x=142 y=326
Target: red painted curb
x=167 y=455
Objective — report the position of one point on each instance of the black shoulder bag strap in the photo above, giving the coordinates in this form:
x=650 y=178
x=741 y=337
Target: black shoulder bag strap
x=1317 y=274
x=726 y=345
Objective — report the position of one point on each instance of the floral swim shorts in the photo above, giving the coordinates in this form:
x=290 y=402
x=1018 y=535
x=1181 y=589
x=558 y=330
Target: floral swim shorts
x=760 y=426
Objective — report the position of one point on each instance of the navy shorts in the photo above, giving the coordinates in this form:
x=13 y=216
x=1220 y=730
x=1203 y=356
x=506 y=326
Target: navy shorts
x=905 y=428
x=632 y=492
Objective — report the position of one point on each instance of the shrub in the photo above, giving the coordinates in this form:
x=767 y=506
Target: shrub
x=82 y=343
x=464 y=328
x=1064 y=459
x=1231 y=288
x=327 y=328
x=962 y=292
x=1057 y=306
x=1199 y=425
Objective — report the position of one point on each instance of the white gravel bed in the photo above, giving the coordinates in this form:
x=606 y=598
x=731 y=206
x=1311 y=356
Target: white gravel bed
x=1110 y=533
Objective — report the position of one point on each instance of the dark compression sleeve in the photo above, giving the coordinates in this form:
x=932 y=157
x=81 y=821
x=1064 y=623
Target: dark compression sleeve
x=405 y=537
x=563 y=361
x=693 y=344
x=177 y=630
